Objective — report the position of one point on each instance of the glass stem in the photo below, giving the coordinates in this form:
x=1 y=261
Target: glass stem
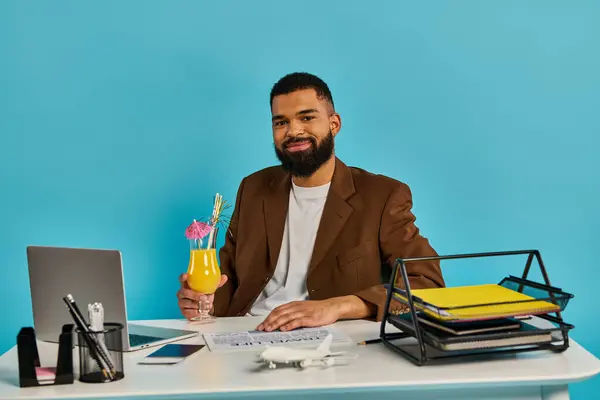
x=204 y=309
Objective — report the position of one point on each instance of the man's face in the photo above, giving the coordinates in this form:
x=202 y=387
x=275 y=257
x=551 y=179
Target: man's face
x=303 y=130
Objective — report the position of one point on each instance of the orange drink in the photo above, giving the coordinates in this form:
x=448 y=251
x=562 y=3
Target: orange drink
x=204 y=274
x=203 y=271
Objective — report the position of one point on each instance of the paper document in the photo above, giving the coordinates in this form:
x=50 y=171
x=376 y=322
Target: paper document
x=306 y=337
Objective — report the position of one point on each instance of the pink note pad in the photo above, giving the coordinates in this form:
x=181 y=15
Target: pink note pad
x=45 y=375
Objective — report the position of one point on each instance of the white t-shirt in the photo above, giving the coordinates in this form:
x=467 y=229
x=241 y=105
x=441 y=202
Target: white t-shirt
x=289 y=280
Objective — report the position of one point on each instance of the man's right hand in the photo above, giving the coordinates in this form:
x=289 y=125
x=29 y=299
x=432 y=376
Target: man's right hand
x=189 y=299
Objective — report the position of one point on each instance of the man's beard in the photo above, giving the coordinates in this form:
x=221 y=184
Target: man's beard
x=305 y=163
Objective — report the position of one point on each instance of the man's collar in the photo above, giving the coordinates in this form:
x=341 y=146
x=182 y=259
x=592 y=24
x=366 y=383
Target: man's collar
x=341 y=183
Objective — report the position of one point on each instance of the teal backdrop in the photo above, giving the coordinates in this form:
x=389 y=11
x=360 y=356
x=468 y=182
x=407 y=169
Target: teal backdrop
x=120 y=120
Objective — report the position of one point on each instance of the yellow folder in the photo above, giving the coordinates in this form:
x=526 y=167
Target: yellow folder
x=444 y=300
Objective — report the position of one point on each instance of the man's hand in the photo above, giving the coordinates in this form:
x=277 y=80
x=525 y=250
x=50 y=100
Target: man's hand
x=315 y=313
x=189 y=299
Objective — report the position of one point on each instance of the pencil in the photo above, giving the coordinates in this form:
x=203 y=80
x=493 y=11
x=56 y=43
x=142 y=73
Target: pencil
x=363 y=343
x=388 y=336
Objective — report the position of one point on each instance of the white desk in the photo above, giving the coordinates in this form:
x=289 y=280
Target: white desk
x=377 y=374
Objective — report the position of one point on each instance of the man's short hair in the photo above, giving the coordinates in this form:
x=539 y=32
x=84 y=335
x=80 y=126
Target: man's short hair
x=299 y=81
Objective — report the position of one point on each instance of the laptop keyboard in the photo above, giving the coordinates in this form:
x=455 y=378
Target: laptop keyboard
x=139 y=340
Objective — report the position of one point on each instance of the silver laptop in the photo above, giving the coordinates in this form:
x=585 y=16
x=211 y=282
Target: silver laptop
x=90 y=275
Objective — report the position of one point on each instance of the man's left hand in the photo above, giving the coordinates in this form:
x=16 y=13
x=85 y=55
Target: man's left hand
x=308 y=313
x=314 y=313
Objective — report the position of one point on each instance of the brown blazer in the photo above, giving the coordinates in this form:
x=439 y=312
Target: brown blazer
x=366 y=225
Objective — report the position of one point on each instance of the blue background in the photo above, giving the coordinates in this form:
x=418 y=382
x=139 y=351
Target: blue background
x=120 y=120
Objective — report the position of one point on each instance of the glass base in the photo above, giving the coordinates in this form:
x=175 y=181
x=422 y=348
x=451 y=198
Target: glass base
x=204 y=313
x=204 y=319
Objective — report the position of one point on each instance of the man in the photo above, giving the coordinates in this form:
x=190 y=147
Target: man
x=311 y=241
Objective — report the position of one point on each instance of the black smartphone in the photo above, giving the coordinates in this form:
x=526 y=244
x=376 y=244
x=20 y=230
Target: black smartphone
x=171 y=353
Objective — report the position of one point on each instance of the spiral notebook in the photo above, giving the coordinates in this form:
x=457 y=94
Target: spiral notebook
x=469 y=303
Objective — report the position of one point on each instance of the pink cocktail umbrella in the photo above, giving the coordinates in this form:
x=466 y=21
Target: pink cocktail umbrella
x=197 y=230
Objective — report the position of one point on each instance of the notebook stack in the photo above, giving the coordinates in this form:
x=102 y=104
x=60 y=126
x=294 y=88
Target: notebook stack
x=490 y=316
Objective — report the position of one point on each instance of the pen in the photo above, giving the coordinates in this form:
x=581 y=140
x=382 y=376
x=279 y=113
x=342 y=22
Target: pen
x=92 y=344
x=96 y=317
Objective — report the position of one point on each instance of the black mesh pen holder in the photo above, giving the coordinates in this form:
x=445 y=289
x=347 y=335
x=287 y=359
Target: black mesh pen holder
x=101 y=354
